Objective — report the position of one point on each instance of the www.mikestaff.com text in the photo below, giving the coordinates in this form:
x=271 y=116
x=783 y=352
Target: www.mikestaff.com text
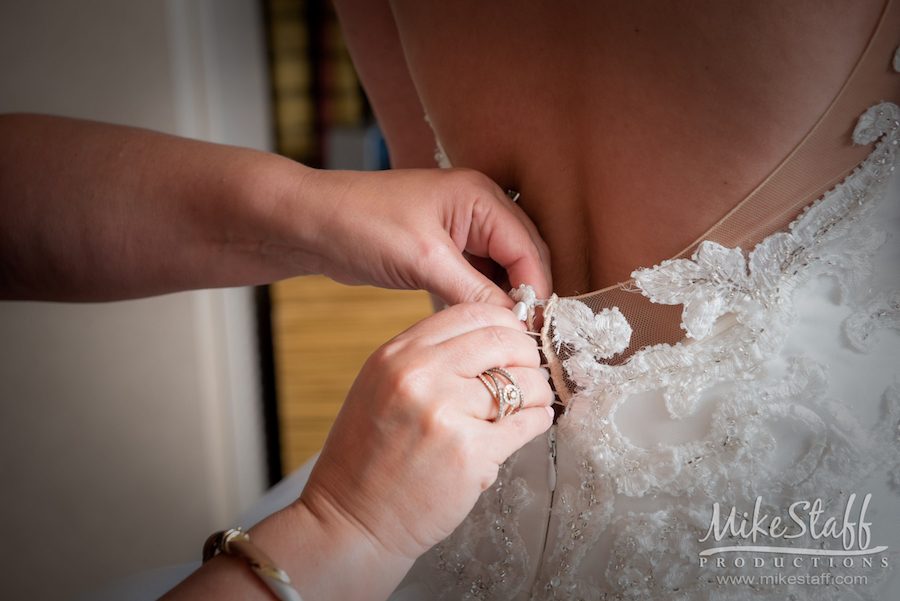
x=824 y=579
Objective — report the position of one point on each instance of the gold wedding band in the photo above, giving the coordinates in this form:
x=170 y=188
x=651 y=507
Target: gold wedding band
x=510 y=398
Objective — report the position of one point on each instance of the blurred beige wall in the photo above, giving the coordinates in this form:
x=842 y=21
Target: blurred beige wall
x=128 y=431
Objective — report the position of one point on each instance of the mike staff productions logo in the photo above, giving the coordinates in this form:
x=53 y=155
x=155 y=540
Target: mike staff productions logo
x=805 y=538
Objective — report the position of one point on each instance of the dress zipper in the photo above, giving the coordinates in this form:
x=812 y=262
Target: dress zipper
x=551 y=476
x=551 y=481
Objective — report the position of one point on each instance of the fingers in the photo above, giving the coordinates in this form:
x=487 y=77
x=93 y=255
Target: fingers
x=484 y=222
x=471 y=353
x=461 y=319
x=482 y=403
x=454 y=280
x=505 y=437
x=413 y=229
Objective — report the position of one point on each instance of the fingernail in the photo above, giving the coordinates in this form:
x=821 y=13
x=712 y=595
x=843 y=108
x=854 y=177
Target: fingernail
x=520 y=311
x=545 y=372
x=550 y=411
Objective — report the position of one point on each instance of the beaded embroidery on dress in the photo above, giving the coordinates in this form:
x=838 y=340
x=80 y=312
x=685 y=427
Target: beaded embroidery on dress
x=738 y=314
x=757 y=458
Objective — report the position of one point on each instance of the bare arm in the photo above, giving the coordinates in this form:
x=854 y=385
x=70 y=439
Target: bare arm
x=378 y=57
x=92 y=211
x=95 y=212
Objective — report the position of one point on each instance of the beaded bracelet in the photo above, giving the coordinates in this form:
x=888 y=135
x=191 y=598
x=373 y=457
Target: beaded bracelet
x=236 y=542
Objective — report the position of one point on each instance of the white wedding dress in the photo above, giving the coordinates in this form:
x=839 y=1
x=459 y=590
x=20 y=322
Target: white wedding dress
x=757 y=371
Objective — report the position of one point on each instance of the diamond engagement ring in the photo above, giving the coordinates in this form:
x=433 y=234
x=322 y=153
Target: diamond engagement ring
x=510 y=398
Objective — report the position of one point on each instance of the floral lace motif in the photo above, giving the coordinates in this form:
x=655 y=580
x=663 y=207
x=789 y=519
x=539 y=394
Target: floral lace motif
x=484 y=558
x=581 y=331
x=883 y=311
x=738 y=310
x=737 y=313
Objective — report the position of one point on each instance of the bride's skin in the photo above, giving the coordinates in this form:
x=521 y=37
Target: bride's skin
x=628 y=127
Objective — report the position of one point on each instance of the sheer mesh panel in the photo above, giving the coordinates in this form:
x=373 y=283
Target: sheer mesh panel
x=820 y=161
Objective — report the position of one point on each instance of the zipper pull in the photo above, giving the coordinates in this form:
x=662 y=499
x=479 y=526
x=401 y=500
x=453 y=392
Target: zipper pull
x=551 y=440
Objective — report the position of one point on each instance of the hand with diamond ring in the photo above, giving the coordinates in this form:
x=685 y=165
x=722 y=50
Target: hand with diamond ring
x=415 y=444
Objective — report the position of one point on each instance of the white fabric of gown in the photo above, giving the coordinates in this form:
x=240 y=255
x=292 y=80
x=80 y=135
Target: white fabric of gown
x=757 y=458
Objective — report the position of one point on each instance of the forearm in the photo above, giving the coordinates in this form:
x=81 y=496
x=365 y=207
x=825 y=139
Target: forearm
x=96 y=212
x=92 y=212
x=326 y=558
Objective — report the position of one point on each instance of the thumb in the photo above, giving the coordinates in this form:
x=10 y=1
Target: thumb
x=454 y=280
x=500 y=230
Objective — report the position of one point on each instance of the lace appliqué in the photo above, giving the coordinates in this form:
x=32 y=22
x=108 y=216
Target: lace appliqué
x=713 y=283
x=485 y=558
x=883 y=311
x=737 y=313
x=598 y=335
x=525 y=295
x=738 y=310
x=583 y=514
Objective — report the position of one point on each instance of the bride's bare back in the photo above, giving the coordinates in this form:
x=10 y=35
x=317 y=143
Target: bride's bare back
x=628 y=127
